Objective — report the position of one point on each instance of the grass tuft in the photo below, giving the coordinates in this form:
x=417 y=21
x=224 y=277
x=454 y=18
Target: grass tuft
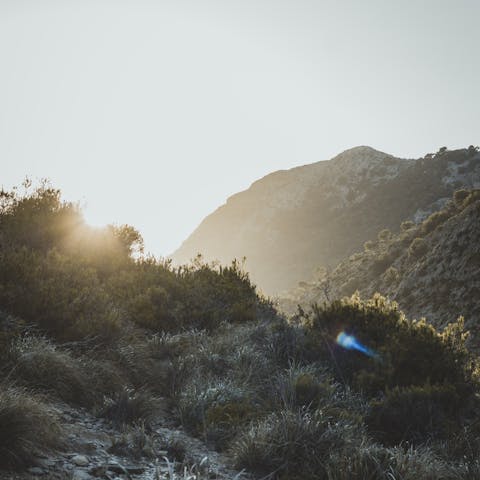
x=27 y=428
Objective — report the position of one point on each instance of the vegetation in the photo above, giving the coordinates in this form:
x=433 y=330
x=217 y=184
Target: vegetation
x=88 y=320
x=27 y=428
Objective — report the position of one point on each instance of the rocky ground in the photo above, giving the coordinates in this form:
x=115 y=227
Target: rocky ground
x=95 y=449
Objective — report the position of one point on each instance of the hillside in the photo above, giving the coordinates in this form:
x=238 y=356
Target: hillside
x=431 y=269
x=115 y=365
x=291 y=222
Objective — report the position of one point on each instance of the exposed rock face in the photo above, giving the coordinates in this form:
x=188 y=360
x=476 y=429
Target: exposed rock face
x=291 y=222
x=432 y=270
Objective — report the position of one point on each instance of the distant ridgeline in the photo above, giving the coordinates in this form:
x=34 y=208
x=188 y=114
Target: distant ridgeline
x=290 y=223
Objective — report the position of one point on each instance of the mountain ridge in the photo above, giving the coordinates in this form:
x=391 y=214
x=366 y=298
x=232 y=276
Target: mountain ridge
x=291 y=221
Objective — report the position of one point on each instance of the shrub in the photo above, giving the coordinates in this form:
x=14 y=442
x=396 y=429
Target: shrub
x=384 y=235
x=27 y=429
x=375 y=462
x=135 y=442
x=409 y=352
x=459 y=197
x=215 y=409
x=292 y=445
x=60 y=294
x=391 y=275
x=415 y=414
x=472 y=198
x=304 y=386
x=369 y=245
x=129 y=407
x=38 y=364
x=418 y=248
x=407 y=225
x=434 y=220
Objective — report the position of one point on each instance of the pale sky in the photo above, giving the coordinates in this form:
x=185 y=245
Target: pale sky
x=152 y=113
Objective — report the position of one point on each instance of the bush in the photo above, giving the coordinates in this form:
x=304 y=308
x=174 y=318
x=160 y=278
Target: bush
x=27 y=429
x=406 y=225
x=129 y=407
x=135 y=442
x=391 y=275
x=409 y=352
x=415 y=414
x=472 y=198
x=418 y=248
x=374 y=462
x=459 y=197
x=292 y=445
x=304 y=386
x=434 y=220
x=38 y=364
x=60 y=294
x=216 y=410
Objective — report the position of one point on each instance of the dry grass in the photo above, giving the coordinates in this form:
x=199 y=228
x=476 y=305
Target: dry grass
x=128 y=407
x=27 y=428
x=38 y=364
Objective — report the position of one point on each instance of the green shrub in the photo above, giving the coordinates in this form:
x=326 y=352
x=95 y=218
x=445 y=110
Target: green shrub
x=60 y=294
x=459 y=197
x=418 y=248
x=407 y=225
x=384 y=235
x=217 y=409
x=391 y=275
x=27 y=429
x=415 y=414
x=304 y=386
x=472 y=198
x=409 y=352
x=434 y=220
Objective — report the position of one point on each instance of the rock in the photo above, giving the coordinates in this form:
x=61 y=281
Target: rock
x=98 y=471
x=80 y=460
x=116 y=468
x=134 y=469
x=79 y=474
x=37 y=471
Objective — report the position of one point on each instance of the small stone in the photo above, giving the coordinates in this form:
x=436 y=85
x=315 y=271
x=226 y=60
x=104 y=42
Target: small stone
x=98 y=471
x=80 y=475
x=80 y=460
x=37 y=471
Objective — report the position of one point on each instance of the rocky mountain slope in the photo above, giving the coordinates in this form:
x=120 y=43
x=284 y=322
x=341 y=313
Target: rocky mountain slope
x=291 y=222
x=431 y=269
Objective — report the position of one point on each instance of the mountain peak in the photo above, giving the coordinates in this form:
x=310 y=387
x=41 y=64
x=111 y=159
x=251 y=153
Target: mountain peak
x=361 y=152
x=292 y=221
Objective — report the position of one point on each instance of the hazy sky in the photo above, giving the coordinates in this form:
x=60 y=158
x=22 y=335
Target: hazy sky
x=153 y=112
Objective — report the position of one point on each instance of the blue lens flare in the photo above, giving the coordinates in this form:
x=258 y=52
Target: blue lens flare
x=349 y=342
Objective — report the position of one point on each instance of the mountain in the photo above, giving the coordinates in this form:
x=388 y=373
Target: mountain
x=431 y=269
x=291 y=222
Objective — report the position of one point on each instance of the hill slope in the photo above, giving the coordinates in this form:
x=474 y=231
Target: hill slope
x=431 y=269
x=290 y=222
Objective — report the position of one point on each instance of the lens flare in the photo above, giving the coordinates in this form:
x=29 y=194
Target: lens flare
x=349 y=342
